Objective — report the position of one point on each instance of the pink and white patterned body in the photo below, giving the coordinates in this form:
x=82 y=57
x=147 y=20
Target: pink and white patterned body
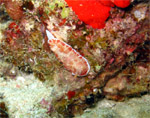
x=70 y=58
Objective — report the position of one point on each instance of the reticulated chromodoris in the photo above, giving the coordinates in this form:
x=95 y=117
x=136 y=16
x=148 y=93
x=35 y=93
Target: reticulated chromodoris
x=70 y=58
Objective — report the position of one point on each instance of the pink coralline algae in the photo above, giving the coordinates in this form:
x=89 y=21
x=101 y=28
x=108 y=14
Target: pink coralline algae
x=14 y=9
x=71 y=59
x=13 y=32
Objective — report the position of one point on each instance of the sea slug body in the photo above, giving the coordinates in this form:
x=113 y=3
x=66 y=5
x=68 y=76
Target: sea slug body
x=70 y=58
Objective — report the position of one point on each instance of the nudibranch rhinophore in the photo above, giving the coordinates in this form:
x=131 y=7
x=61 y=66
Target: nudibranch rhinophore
x=70 y=58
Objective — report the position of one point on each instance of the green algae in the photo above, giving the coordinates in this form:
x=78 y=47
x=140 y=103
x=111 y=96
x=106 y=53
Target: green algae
x=53 y=5
x=65 y=12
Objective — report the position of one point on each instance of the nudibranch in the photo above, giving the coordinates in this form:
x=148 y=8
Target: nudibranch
x=71 y=59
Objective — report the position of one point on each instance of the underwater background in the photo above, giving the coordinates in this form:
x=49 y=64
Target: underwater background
x=74 y=59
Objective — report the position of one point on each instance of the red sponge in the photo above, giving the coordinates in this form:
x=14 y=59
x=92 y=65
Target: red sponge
x=95 y=12
x=107 y=3
x=118 y=3
x=121 y=3
x=91 y=12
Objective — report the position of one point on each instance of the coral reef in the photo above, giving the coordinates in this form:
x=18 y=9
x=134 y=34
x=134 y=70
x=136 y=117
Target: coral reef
x=22 y=98
x=118 y=54
x=135 y=107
